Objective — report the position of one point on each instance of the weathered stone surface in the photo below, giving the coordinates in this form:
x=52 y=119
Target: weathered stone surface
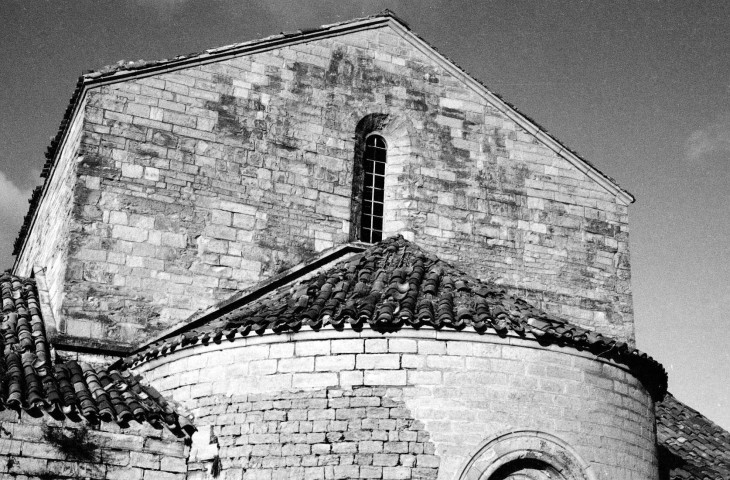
x=299 y=434
x=183 y=187
x=459 y=390
x=44 y=448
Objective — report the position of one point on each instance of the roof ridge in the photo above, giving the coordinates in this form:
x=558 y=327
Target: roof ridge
x=140 y=64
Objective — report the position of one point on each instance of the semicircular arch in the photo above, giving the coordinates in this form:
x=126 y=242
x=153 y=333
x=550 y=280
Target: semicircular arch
x=526 y=454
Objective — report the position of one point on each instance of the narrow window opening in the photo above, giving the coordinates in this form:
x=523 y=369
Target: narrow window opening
x=373 y=193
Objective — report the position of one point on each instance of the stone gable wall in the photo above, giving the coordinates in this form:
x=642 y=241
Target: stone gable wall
x=203 y=181
x=461 y=387
x=105 y=452
x=48 y=244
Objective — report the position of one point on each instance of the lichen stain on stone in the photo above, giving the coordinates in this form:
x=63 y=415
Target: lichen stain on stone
x=97 y=165
x=147 y=152
x=164 y=139
x=369 y=76
x=222 y=79
x=522 y=173
x=416 y=101
x=340 y=70
x=601 y=227
x=453 y=113
x=306 y=78
x=227 y=119
x=84 y=197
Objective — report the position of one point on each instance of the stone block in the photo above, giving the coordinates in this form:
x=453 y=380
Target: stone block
x=320 y=347
x=382 y=361
x=314 y=380
x=130 y=234
x=144 y=460
x=296 y=364
x=385 y=377
x=424 y=378
x=174 y=448
x=132 y=171
x=334 y=363
x=172 y=464
x=431 y=347
x=354 y=345
x=262 y=367
x=396 y=473
x=351 y=378
x=376 y=345
x=402 y=345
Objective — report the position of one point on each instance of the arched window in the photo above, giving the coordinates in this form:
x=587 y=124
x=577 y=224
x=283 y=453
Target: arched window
x=526 y=455
x=373 y=191
x=527 y=469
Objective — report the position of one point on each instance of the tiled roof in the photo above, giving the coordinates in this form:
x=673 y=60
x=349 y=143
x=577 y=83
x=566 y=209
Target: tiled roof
x=394 y=285
x=690 y=445
x=32 y=381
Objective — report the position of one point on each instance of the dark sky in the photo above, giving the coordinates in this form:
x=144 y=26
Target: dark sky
x=639 y=88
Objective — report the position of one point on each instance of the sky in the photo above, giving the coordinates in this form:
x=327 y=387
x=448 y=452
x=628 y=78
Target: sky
x=640 y=88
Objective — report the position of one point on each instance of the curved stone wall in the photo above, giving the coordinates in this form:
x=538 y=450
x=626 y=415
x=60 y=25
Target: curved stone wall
x=346 y=404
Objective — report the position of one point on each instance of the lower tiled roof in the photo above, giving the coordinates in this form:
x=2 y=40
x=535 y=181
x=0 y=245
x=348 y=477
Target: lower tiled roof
x=31 y=381
x=392 y=285
x=690 y=445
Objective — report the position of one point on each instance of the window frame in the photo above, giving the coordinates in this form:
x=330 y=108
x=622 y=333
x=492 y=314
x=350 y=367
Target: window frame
x=372 y=198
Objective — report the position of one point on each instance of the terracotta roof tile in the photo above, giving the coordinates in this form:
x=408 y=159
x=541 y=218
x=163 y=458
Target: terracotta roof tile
x=31 y=381
x=394 y=285
x=690 y=445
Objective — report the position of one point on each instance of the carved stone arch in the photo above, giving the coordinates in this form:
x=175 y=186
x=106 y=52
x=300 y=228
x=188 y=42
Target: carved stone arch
x=526 y=454
x=401 y=139
x=397 y=128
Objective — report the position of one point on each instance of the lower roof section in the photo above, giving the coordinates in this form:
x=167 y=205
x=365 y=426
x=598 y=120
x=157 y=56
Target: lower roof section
x=33 y=380
x=691 y=446
x=394 y=285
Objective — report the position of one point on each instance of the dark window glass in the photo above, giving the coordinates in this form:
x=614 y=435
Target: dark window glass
x=373 y=195
x=377 y=209
x=379 y=182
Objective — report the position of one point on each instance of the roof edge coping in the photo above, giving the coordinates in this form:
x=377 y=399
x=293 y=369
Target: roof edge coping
x=258 y=290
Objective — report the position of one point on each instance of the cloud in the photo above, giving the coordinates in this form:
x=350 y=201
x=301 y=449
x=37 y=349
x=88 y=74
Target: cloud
x=710 y=143
x=13 y=207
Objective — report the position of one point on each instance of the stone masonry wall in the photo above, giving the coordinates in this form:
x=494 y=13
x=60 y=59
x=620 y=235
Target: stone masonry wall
x=203 y=181
x=463 y=388
x=317 y=434
x=47 y=243
x=42 y=448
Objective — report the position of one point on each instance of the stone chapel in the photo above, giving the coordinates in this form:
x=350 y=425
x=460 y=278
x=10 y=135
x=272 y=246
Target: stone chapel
x=327 y=254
